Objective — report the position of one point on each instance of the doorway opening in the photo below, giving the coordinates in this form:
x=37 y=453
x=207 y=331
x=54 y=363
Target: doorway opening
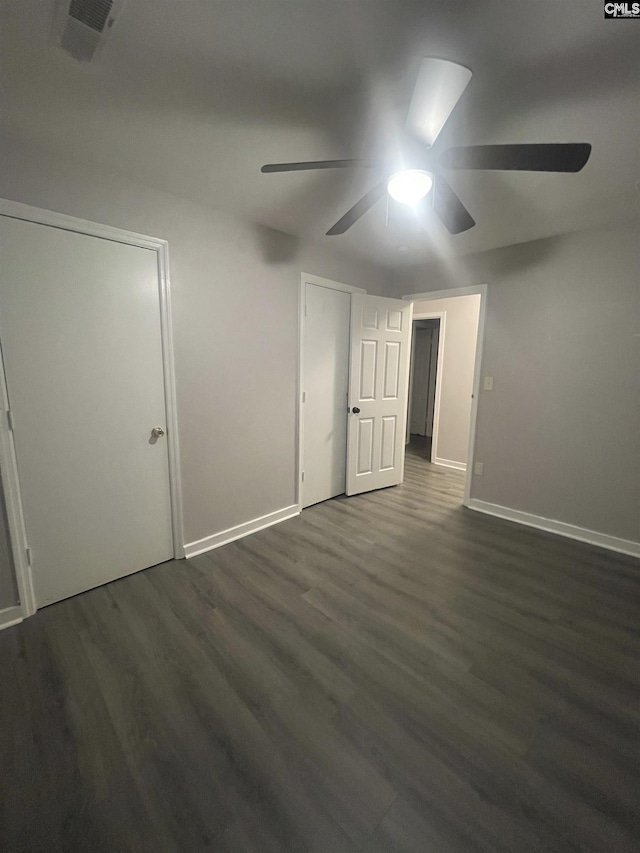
x=353 y=374
x=422 y=384
x=445 y=378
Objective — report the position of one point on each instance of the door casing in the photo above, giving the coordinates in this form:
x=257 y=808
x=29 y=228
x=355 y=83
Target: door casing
x=16 y=210
x=472 y=290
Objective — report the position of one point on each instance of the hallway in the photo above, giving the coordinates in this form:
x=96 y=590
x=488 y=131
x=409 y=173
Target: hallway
x=419 y=447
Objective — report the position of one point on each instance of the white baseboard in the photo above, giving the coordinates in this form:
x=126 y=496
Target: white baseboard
x=11 y=616
x=192 y=549
x=571 y=531
x=450 y=463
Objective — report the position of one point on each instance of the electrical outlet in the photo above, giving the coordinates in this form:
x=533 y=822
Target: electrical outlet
x=478 y=468
x=488 y=383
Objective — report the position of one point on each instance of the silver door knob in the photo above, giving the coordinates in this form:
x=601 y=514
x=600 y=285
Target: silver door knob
x=157 y=432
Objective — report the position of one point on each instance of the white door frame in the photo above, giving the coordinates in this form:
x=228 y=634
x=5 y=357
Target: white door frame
x=472 y=290
x=15 y=518
x=442 y=316
x=306 y=278
x=16 y=210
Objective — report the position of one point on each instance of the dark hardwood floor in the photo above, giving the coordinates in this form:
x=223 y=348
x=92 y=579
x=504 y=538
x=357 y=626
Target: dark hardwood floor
x=420 y=447
x=389 y=672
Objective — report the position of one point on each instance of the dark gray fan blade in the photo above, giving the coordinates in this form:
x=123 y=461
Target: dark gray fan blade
x=555 y=157
x=358 y=210
x=318 y=164
x=449 y=208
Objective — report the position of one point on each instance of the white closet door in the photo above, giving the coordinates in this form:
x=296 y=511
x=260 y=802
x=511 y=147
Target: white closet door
x=378 y=384
x=81 y=336
x=325 y=385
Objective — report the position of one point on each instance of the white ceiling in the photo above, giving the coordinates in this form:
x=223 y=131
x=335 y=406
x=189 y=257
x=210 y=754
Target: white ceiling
x=193 y=96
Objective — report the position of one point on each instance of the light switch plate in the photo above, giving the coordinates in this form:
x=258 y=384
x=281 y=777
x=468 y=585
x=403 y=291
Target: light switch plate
x=478 y=468
x=488 y=383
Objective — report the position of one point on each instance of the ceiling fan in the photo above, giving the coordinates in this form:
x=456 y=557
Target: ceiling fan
x=438 y=88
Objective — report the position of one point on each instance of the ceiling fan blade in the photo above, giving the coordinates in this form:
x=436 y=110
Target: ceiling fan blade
x=318 y=164
x=359 y=209
x=554 y=157
x=438 y=89
x=454 y=215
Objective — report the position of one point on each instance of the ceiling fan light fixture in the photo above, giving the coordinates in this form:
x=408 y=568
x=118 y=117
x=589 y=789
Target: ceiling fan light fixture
x=410 y=185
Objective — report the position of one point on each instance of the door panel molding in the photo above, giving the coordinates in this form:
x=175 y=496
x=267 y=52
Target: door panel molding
x=16 y=210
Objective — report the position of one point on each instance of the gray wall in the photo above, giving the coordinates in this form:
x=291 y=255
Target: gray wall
x=456 y=382
x=235 y=301
x=560 y=433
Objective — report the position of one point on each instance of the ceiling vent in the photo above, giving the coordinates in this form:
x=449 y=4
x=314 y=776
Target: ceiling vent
x=82 y=27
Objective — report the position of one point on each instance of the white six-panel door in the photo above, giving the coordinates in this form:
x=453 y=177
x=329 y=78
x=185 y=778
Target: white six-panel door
x=80 y=329
x=378 y=385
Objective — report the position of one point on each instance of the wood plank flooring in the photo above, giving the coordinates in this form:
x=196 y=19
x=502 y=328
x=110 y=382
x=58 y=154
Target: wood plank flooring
x=385 y=673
